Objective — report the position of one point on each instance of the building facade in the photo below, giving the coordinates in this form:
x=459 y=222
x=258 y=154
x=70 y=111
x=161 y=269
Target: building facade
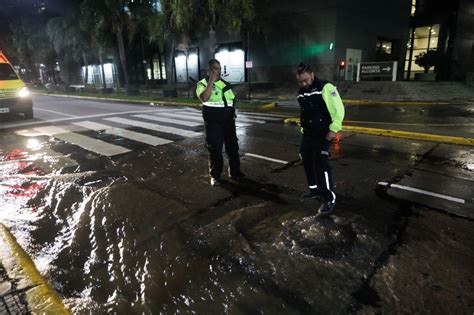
x=326 y=33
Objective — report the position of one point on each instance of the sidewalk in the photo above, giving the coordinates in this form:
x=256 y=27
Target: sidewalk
x=382 y=93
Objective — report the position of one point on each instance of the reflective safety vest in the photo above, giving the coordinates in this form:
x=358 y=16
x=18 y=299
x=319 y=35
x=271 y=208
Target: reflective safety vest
x=221 y=95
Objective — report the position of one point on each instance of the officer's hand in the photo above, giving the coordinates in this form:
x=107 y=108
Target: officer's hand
x=214 y=76
x=331 y=136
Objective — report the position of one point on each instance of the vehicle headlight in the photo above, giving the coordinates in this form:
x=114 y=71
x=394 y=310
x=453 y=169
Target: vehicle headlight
x=24 y=92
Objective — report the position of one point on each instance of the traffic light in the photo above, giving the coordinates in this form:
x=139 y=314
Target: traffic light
x=331 y=46
x=342 y=65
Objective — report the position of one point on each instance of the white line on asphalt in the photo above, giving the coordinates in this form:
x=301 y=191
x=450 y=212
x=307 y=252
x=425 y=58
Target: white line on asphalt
x=195 y=118
x=124 y=133
x=169 y=120
x=266 y=158
x=181 y=116
x=421 y=191
x=259 y=117
x=156 y=127
x=54 y=112
x=263 y=114
x=85 y=142
x=198 y=114
x=36 y=122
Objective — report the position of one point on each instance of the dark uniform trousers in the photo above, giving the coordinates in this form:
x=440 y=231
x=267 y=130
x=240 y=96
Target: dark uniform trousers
x=315 y=155
x=219 y=132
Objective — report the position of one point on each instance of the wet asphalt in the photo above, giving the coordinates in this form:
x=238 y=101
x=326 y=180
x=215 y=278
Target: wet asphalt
x=144 y=232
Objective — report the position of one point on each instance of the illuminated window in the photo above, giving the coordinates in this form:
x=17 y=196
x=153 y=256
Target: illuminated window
x=426 y=38
x=384 y=46
x=413 y=7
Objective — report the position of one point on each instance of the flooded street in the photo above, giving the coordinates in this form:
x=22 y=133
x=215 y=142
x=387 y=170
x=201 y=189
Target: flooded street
x=143 y=232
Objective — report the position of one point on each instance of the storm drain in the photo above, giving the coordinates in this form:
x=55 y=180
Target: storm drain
x=11 y=301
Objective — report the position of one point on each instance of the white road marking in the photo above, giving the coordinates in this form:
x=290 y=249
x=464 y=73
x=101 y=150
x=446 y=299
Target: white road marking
x=54 y=112
x=195 y=118
x=124 y=133
x=240 y=118
x=169 y=120
x=84 y=142
x=421 y=191
x=266 y=158
x=36 y=122
x=156 y=127
x=263 y=114
x=198 y=114
x=259 y=117
x=181 y=116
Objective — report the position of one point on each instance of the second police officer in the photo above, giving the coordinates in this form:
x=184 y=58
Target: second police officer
x=322 y=112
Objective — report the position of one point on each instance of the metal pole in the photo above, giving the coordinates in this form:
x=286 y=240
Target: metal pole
x=144 y=65
x=248 y=58
x=187 y=73
x=395 y=70
x=358 y=72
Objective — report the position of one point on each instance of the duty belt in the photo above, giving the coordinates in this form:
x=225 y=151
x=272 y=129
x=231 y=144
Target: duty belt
x=217 y=104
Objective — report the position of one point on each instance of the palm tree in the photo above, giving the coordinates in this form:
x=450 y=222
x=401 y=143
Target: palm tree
x=103 y=15
x=179 y=17
x=237 y=14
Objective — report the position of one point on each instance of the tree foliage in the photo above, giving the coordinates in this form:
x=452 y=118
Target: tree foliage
x=82 y=30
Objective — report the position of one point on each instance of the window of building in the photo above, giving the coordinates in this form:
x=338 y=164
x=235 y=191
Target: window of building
x=384 y=46
x=425 y=38
x=413 y=7
x=159 y=70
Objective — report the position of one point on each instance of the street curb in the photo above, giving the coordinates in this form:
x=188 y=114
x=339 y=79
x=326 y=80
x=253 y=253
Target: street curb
x=40 y=296
x=411 y=135
x=400 y=134
x=390 y=103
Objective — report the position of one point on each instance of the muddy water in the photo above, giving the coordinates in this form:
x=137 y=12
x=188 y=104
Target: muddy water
x=122 y=236
x=145 y=234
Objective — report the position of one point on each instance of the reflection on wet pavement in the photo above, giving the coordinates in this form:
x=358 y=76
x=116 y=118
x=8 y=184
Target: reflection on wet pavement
x=145 y=233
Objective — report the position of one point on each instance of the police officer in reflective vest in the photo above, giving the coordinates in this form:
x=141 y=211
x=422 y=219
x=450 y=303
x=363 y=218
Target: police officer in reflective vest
x=322 y=113
x=218 y=112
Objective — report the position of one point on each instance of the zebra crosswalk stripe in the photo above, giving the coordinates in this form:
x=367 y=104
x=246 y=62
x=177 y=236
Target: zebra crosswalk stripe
x=88 y=143
x=265 y=115
x=124 y=133
x=155 y=127
x=260 y=117
x=169 y=120
x=239 y=119
x=195 y=118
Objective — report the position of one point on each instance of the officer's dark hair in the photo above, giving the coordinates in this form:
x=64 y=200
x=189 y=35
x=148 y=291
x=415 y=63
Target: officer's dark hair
x=212 y=62
x=302 y=68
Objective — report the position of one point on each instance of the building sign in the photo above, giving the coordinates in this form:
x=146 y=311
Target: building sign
x=377 y=69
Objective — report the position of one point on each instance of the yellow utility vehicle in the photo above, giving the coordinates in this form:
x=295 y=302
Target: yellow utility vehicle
x=15 y=97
